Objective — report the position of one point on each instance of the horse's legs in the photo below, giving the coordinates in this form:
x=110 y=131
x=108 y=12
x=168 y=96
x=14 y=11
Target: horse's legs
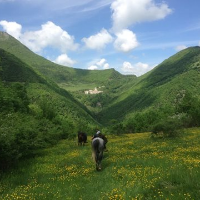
x=98 y=166
x=98 y=159
x=97 y=152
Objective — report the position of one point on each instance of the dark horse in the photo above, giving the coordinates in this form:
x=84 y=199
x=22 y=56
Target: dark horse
x=82 y=138
x=97 y=151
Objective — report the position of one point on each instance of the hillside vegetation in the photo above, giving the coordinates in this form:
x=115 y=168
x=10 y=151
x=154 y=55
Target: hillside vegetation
x=163 y=90
x=57 y=73
x=34 y=111
x=74 y=80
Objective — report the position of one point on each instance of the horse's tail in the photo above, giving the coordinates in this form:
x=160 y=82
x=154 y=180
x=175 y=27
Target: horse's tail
x=95 y=149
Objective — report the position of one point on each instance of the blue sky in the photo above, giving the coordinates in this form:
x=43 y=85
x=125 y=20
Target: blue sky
x=132 y=36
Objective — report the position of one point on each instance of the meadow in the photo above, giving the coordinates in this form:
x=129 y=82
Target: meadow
x=136 y=166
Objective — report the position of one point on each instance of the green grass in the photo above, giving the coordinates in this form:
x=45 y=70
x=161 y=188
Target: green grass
x=137 y=166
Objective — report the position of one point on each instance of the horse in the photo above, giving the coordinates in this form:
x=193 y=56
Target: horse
x=97 y=151
x=100 y=135
x=105 y=139
x=82 y=138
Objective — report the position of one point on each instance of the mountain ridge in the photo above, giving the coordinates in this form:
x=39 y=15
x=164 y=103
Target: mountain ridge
x=55 y=72
x=13 y=70
x=143 y=93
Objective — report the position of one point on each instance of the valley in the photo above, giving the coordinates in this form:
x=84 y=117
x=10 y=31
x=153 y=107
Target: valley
x=53 y=98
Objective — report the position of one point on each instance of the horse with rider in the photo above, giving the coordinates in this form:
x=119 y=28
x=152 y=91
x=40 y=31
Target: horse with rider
x=98 y=147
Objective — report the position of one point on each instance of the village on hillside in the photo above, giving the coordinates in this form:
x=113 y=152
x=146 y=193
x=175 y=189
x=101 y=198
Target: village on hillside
x=95 y=91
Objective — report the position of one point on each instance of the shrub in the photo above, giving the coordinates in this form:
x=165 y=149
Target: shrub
x=21 y=134
x=169 y=127
x=190 y=105
x=17 y=137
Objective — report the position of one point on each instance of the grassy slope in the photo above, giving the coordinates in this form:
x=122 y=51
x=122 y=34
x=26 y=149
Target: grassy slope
x=57 y=73
x=14 y=70
x=161 y=85
x=70 y=79
x=136 y=167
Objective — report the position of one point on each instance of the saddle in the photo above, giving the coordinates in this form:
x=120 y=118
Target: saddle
x=100 y=135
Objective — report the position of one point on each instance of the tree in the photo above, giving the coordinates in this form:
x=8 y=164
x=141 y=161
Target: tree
x=190 y=105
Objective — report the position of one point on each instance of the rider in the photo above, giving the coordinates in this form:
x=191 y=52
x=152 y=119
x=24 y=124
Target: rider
x=100 y=135
x=97 y=134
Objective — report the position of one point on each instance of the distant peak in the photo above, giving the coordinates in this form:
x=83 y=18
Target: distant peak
x=192 y=48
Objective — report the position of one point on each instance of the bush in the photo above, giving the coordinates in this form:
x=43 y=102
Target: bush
x=8 y=150
x=47 y=108
x=169 y=128
x=21 y=134
x=145 y=120
x=17 y=137
x=13 y=97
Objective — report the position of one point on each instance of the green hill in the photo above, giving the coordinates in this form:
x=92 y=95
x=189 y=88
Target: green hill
x=42 y=102
x=74 y=80
x=161 y=86
x=13 y=70
x=34 y=111
x=122 y=95
x=57 y=73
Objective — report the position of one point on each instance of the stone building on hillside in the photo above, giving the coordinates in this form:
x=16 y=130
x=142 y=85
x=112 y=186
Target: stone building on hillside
x=95 y=91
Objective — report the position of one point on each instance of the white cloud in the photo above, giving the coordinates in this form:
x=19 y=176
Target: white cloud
x=101 y=62
x=106 y=66
x=63 y=59
x=180 y=47
x=98 y=41
x=129 y=12
x=98 y=64
x=12 y=28
x=138 y=69
x=93 y=67
x=126 y=41
x=50 y=35
x=199 y=43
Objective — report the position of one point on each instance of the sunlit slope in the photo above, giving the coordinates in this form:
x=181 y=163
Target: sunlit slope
x=13 y=70
x=160 y=86
x=59 y=74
